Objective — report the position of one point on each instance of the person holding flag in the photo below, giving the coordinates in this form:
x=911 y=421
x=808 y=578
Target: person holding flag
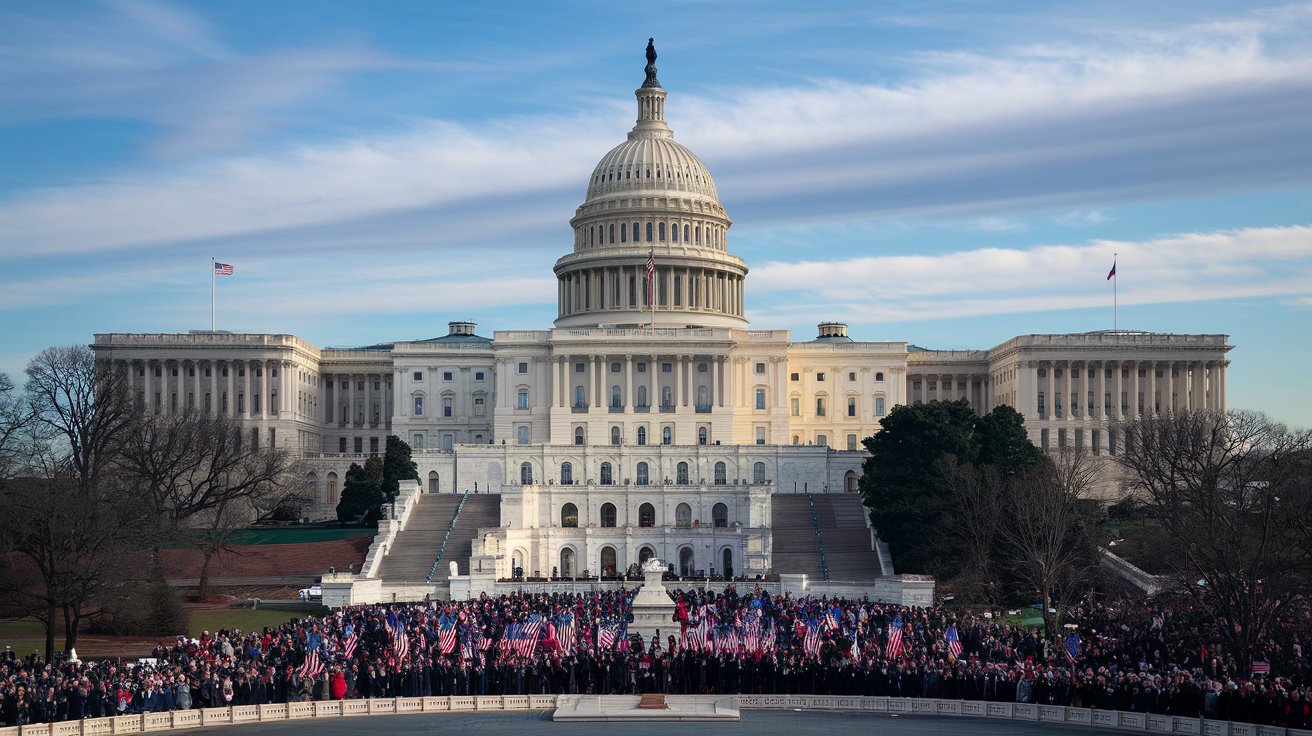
x=954 y=643
x=1072 y=647
x=894 y=648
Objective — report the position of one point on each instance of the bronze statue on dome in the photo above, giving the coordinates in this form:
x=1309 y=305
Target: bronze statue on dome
x=651 y=64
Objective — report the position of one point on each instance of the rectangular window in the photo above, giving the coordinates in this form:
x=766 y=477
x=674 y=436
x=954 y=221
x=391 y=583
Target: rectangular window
x=447 y=407
x=448 y=376
x=417 y=441
x=760 y=369
x=879 y=406
x=642 y=367
x=341 y=444
x=851 y=406
x=419 y=376
x=580 y=367
x=478 y=406
x=819 y=376
x=822 y=440
x=667 y=367
x=796 y=407
x=373 y=445
x=615 y=367
x=419 y=406
x=478 y=376
x=819 y=406
x=523 y=399
x=760 y=435
x=794 y=376
x=851 y=442
x=760 y=398
x=522 y=367
x=359 y=445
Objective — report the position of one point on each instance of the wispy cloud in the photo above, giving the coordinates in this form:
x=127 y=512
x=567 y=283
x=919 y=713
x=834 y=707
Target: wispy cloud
x=1082 y=218
x=1190 y=267
x=1196 y=110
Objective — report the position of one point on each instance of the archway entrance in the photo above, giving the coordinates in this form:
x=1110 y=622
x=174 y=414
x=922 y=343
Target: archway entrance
x=567 y=563
x=685 y=562
x=608 y=561
x=727 y=560
x=644 y=554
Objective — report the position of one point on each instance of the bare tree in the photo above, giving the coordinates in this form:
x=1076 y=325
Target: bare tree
x=1047 y=535
x=83 y=404
x=189 y=468
x=15 y=419
x=977 y=502
x=74 y=541
x=1231 y=491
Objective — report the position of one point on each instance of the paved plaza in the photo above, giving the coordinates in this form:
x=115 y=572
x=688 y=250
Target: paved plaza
x=756 y=723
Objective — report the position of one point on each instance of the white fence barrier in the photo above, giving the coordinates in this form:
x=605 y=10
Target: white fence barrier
x=1105 y=719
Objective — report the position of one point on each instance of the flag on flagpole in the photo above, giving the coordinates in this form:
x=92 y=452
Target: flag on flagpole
x=1112 y=272
x=651 y=276
x=222 y=269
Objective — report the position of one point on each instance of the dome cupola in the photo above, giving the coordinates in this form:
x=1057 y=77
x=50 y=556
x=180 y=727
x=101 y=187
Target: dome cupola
x=651 y=208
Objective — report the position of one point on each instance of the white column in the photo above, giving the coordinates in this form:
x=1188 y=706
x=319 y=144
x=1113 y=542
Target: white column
x=1051 y=395
x=1220 y=386
x=653 y=390
x=678 y=382
x=719 y=381
x=630 y=391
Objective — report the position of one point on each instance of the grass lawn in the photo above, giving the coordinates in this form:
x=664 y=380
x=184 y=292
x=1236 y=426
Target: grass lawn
x=1144 y=544
x=1028 y=617
x=26 y=636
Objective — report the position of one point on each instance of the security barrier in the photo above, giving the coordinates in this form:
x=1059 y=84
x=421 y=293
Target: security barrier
x=1058 y=716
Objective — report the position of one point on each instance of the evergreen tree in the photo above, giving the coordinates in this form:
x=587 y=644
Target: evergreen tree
x=397 y=466
x=362 y=492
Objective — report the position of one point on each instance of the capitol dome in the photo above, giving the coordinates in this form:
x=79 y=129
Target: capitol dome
x=651 y=204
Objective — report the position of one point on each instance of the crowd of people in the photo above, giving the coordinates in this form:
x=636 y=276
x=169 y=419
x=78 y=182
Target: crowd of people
x=1132 y=657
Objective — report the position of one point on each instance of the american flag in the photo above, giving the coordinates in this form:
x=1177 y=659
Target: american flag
x=312 y=667
x=856 y=646
x=348 y=646
x=528 y=636
x=752 y=637
x=651 y=277
x=811 y=644
x=222 y=269
x=894 y=650
x=401 y=643
x=565 y=632
x=446 y=637
x=605 y=637
x=954 y=643
x=1072 y=648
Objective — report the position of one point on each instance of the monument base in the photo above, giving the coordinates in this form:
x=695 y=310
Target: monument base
x=586 y=708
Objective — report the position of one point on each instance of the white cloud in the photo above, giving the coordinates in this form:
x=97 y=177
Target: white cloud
x=1251 y=262
x=1082 y=218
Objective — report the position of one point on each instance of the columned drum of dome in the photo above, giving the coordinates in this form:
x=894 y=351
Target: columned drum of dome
x=651 y=199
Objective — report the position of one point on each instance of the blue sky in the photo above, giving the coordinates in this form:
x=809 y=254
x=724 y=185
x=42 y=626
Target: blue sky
x=951 y=174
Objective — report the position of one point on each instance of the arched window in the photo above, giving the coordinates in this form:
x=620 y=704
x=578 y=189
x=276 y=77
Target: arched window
x=615 y=435
x=521 y=435
x=521 y=401
x=683 y=515
x=580 y=397
x=331 y=488
x=681 y=474
x=608 y=515
x=612 y=232
x=608 y=562
x=615 y=401
x=642 y=474
x=646 y=515
x=674 y=232
x=642 y=396
x=879 y=375
x=635 y=232
x=607 y=476
x=720 y=514
x=433 y=486
x=667 y=397
x=703 y=435
x=569 y=515
x=703 y=397
x=758 y=473
x=419 y=406
x=661 y=231
x=566 y=474
x=624 y=234
x=644 y=554
x=686 y=568
x=685 y=233
x=566 y=568
x=850 y=481
x=526 y=474
x=578 y=435
x=726 y=562
x=642 y=435
x=667 y=435
x=720 y=474
x=649 y=232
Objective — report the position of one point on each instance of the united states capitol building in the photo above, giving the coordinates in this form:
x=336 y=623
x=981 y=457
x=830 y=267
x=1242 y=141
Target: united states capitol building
x=651 y=419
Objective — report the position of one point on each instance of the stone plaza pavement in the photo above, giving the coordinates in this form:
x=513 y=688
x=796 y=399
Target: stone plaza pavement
x=755 y=723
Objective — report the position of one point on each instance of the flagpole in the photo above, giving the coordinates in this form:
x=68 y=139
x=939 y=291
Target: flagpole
x=212 y=293
x=1115 y=297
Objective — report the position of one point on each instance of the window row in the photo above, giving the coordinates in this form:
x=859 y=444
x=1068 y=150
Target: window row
x=655 y=231
x=608 y=516
x=642 y=474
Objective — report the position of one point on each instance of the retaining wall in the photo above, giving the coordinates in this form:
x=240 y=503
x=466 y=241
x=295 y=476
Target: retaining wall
x=1055 y=715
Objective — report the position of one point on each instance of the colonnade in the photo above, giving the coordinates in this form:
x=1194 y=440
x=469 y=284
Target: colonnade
x=625 y=288
x=1124 y=389
x=365 y=401
x=248 y=389
x=978 y=389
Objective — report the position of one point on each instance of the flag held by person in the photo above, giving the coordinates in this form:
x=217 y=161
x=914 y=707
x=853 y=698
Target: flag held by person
x=954 y=643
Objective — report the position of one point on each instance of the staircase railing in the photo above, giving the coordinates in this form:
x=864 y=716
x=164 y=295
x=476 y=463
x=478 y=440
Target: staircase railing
x=455 y=519
x=819 y=540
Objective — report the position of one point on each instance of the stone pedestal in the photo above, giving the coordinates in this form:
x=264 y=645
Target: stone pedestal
x=653 y=610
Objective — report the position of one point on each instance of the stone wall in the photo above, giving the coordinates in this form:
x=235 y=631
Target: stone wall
x=1058 y=716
